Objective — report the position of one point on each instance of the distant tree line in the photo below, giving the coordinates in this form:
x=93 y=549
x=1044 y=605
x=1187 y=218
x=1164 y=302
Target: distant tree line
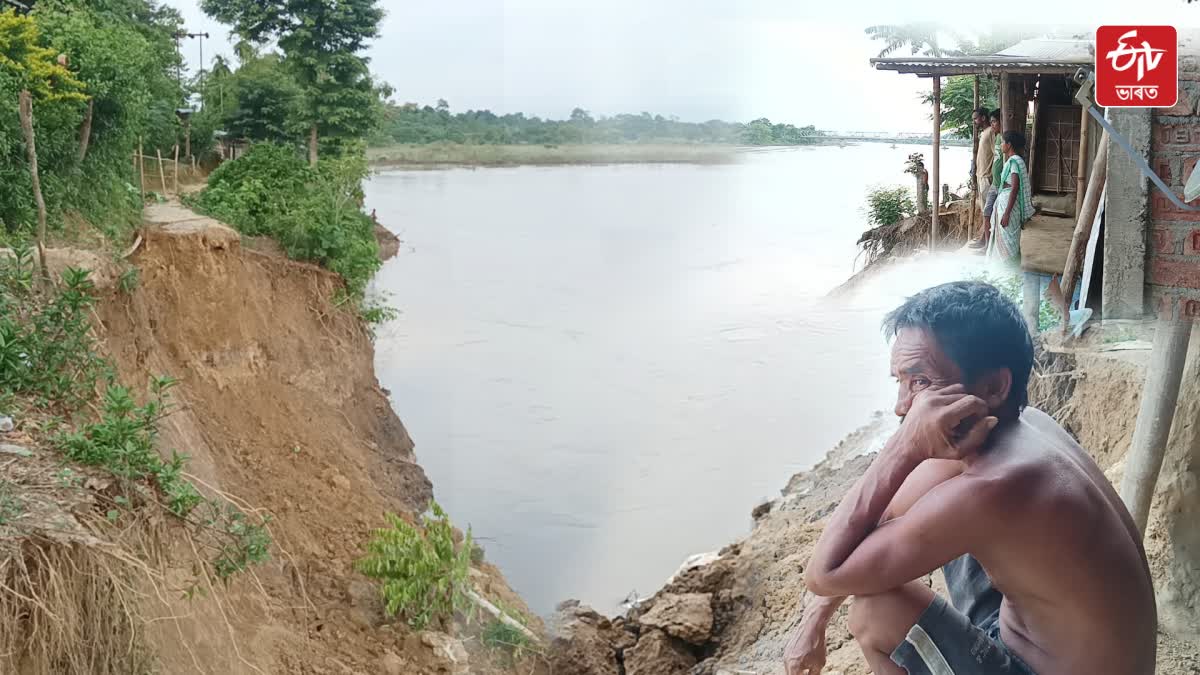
x=411 y=123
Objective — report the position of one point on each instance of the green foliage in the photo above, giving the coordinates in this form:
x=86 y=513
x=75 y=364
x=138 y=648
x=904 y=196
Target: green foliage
x=49 y=365
x=320 y=42
x=260 y=101
x=1010 y=285
x=29 y=65
x=503 y=637
x=889 y=205
x=958 y=102
x=413 y=124
x=424 y=575
x=47 y=353
x=120 y=57
x=920 y=37
x=129 y=280
x=313 y=213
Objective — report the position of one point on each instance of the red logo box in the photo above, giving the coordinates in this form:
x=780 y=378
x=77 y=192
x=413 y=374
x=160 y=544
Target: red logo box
x=1137 y=66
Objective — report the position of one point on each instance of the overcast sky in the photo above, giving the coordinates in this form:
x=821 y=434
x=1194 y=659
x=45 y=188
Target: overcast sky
x=799 y=61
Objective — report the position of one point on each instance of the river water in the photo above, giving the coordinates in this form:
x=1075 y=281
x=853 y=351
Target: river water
x=605 y=368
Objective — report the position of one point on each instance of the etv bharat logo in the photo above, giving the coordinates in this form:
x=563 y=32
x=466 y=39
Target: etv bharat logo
x=1137 y=66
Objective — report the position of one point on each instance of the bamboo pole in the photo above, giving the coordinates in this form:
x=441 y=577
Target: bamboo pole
x=1083 y=227
x=1081 y=168
x=975 y=213
x=1005 y=101
x=162 y=176
x=936 y=177
x=176 y=177
x=141 y=162
x=1160 y=394
x=25 y=112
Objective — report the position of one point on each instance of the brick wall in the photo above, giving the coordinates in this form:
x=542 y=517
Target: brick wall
x=1173 y=249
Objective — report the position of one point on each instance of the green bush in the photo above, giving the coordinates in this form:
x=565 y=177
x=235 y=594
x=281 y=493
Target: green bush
x=889 y=205
x=1011 y=286
x=424 y=575
x=51 y=373
x=47 y=353
x=313 y=213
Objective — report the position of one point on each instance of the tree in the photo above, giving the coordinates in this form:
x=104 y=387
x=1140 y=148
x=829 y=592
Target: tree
x=922 y=38
x=264 y=101
x=321 y=40
x=958 y=102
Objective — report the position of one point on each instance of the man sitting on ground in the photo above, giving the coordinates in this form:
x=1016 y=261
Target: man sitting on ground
x=1044 y=566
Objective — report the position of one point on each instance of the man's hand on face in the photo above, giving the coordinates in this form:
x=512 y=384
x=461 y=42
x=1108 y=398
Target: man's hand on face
x=946 y=423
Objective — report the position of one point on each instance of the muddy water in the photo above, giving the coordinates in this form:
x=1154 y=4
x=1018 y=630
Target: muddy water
x=605 y=368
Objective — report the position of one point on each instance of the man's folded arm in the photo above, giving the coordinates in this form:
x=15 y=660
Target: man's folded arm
x=938 y=528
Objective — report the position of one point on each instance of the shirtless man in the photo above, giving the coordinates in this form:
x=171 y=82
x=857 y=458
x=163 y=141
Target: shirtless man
x=1045 y=568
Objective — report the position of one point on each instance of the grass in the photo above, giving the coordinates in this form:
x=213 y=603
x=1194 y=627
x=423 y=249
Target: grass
x=453 y=154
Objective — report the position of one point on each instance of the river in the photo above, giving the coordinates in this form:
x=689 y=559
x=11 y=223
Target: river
x=605 y=368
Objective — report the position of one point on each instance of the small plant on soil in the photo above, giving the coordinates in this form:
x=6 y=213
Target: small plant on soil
x=424 y=574
x=128 y=281
x=889 y=205
x=502 y=637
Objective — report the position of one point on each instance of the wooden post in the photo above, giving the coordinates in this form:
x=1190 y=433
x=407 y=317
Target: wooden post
x=1159 y=397
x=936 y=177
x=1031 y=144
x=85 y=132
x=1081 y=167
x=973 y=211
x=1005 y=101
x=162 y=176
x=141 y=162
x=176 y=177
x=25 y=112
x=312 y=145
x=1083 y=227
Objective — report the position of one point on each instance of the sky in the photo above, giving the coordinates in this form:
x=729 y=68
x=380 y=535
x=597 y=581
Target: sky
x=797 y=61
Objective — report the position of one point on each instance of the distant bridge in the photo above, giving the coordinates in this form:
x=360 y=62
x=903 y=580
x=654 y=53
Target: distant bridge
x=907 y=138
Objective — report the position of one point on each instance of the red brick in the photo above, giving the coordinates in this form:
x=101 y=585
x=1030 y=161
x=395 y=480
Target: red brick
x=1161 y=208
x=1175 y=272
x=1183 y=107
x=1191 y=243
x=1163 y=239
x=1182 y=137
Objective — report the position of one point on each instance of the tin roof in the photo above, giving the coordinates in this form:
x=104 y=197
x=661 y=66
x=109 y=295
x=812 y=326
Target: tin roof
x=1027 y=56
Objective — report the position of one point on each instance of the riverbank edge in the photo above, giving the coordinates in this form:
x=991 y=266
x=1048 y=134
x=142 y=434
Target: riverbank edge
x=733 y=610
x=448 y=155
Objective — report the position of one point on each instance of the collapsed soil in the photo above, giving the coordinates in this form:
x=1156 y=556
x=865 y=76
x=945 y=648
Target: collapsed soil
x=279 y=410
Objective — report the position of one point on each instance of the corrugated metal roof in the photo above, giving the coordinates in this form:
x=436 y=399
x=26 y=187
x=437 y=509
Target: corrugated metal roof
x=1062 y=51
x=1025 y=56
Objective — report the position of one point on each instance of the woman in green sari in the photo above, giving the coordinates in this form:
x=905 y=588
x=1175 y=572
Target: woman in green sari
x=1014 y=205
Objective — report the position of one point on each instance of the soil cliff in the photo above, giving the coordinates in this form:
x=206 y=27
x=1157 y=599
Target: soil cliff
x=279 y=411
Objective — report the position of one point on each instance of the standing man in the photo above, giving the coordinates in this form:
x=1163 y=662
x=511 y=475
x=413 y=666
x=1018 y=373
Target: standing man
x=983 y=170
x=1045 y=568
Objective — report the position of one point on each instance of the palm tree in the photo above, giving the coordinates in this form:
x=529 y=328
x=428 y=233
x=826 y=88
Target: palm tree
x=921 y=37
